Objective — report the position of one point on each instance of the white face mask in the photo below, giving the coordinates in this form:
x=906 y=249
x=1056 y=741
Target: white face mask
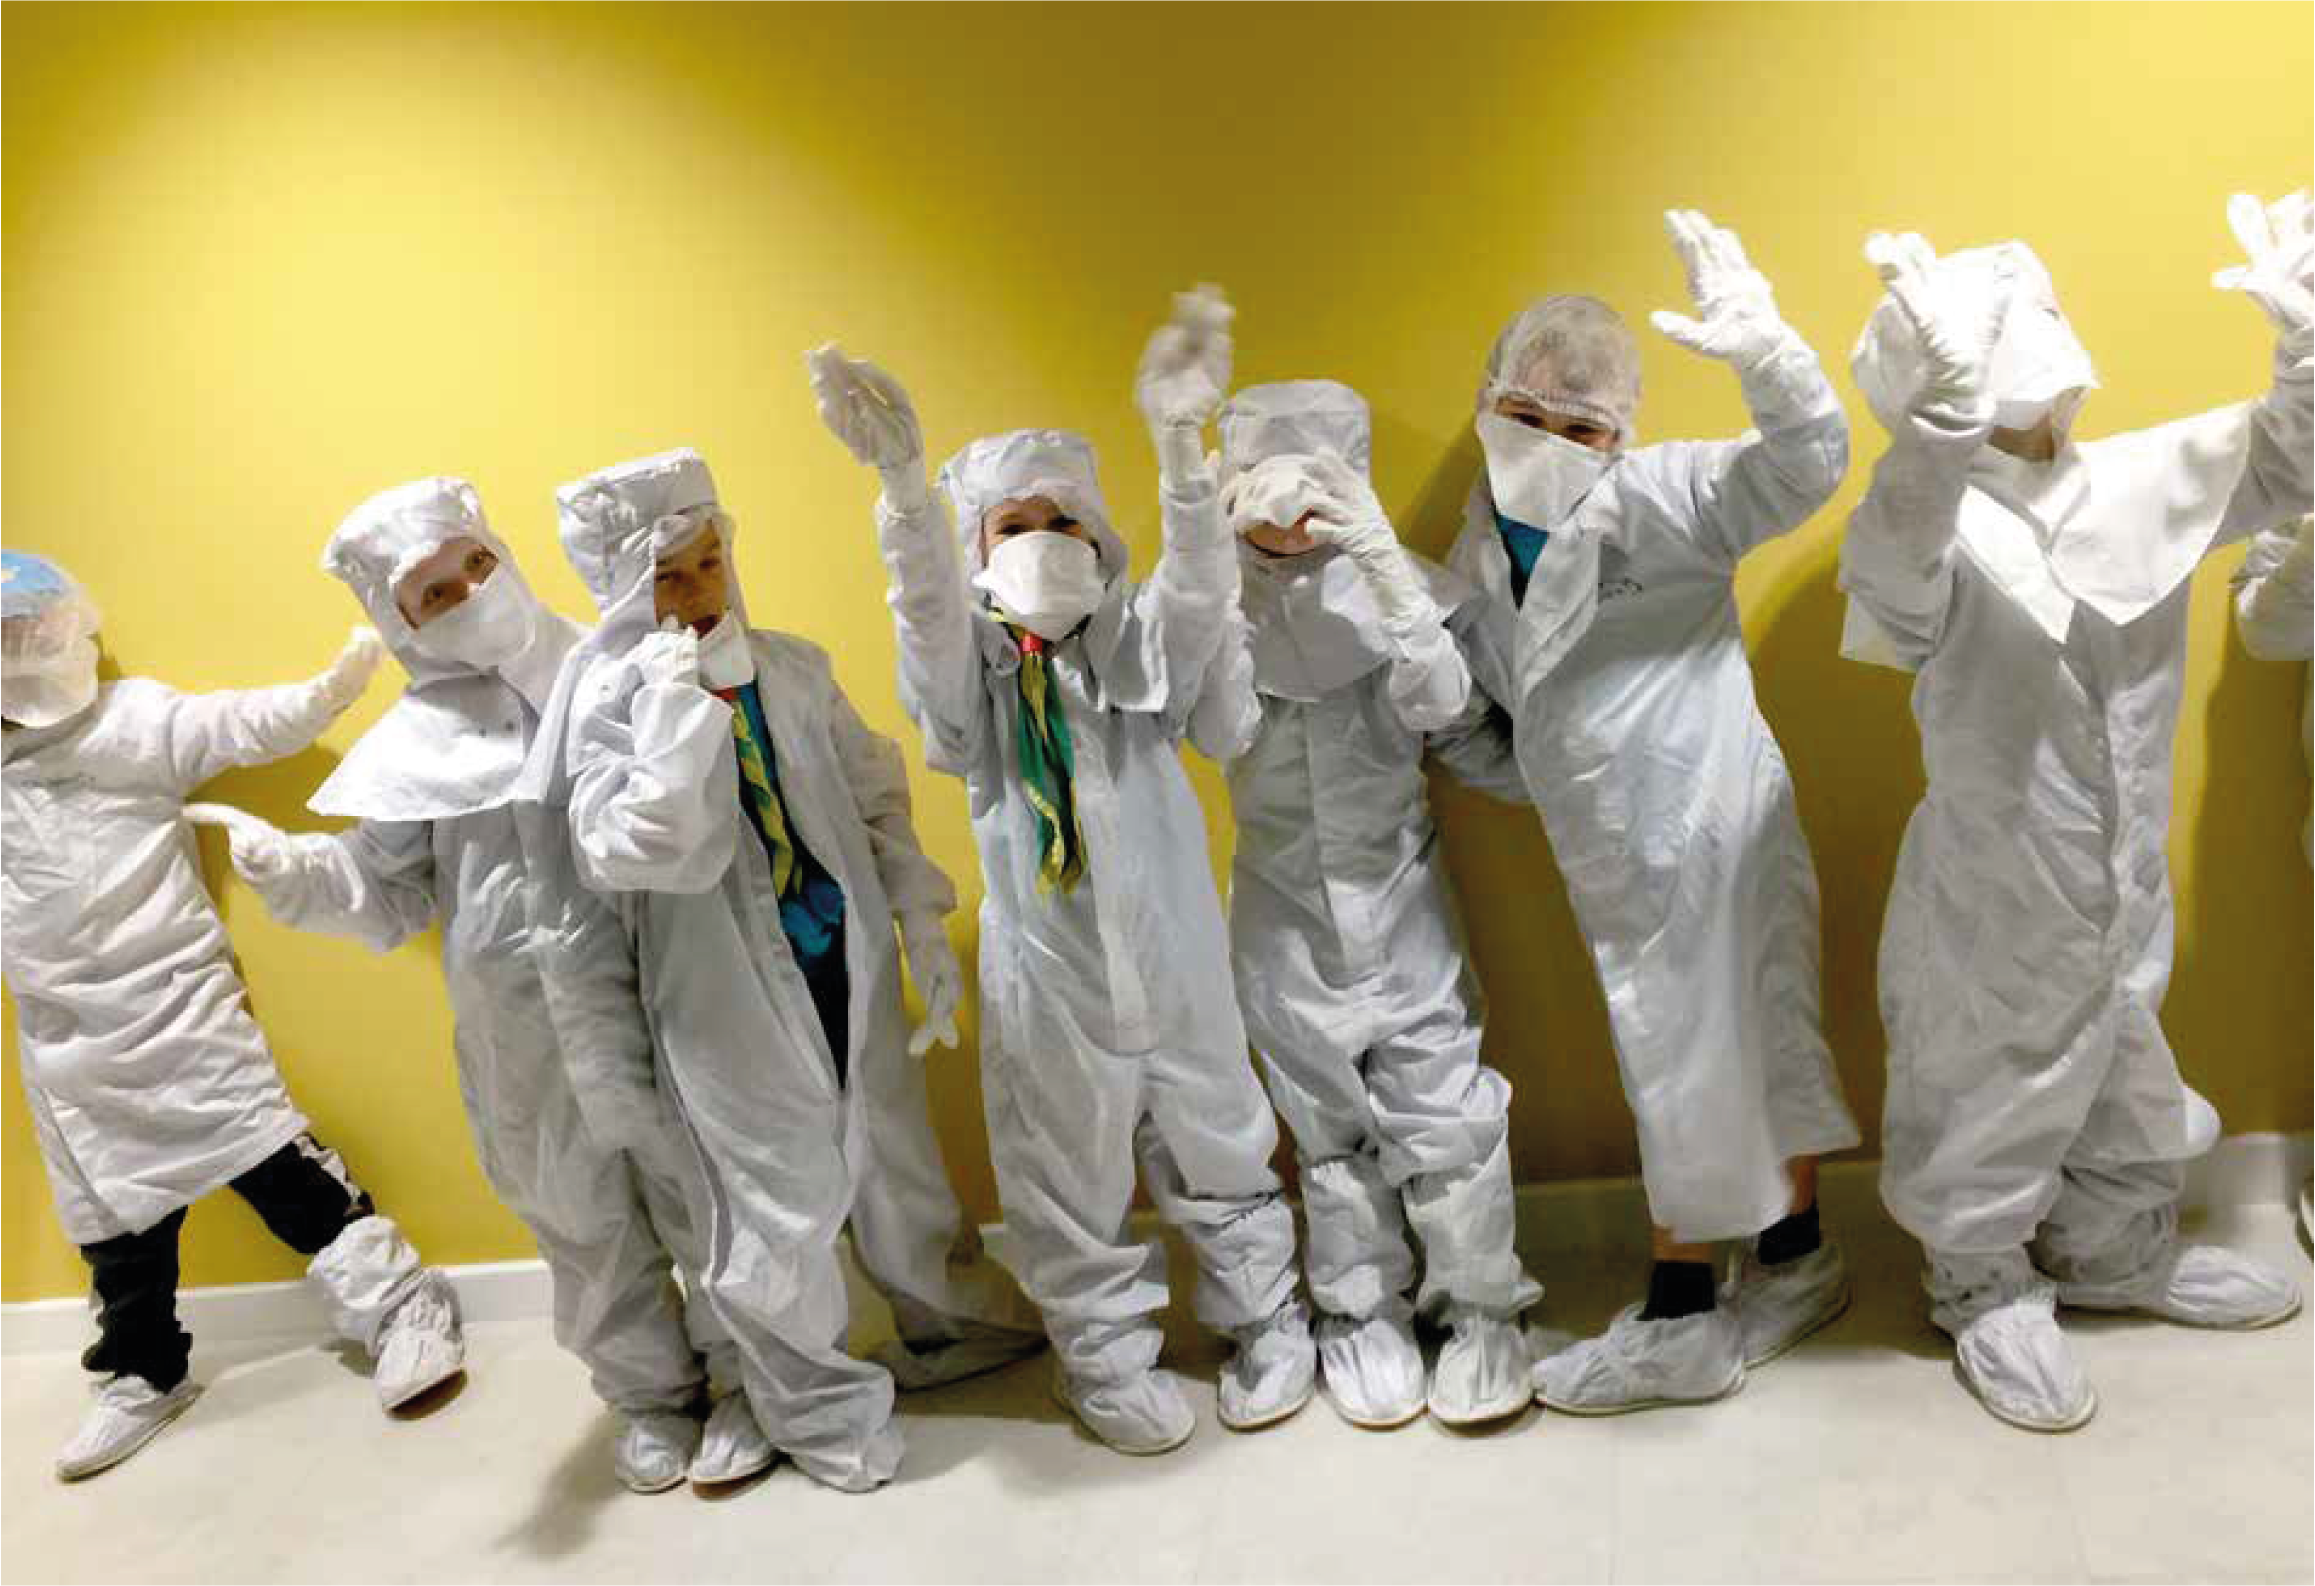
x=490 y=627
x=726 y=660
x=56 y=693
x=1536 y=477
x=1044 y=580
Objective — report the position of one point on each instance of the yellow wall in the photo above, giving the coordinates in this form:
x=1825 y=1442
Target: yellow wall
x=261 y=261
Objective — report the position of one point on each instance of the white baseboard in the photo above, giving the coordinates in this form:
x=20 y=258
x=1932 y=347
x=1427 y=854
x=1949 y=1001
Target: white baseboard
x=1575 y=1215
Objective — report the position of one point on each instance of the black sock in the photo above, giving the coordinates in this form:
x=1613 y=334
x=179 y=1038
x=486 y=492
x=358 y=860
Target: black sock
x=1678 y=1288
x=1790 y=1238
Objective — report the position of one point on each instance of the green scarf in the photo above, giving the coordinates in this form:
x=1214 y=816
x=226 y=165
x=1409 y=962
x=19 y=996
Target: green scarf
x=1046 y=766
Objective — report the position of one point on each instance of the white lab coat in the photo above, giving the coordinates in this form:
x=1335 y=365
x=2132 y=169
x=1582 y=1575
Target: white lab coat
x=1667 y=800
x=148 y=1081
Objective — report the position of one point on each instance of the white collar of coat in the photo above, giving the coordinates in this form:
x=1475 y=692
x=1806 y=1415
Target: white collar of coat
x=450 y=746
x=2115 y=525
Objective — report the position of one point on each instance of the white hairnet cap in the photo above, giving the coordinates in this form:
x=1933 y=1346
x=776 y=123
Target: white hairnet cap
x=2036 y=357
x=378 y=544
x=1055 y=464
x=1295 y=418
x=48 y=629
x=1573 y=356
x=614 y=522
x=380 y=541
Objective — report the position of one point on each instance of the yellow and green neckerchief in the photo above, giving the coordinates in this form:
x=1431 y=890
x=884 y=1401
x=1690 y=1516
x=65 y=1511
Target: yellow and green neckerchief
x=756 y=790
x=1047 y=764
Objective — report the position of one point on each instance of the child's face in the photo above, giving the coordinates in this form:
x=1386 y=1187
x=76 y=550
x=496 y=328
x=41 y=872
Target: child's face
x=443 y=580
x=689 y=584
x=1520 y=410
x=1293 y=540
x=1029 y=515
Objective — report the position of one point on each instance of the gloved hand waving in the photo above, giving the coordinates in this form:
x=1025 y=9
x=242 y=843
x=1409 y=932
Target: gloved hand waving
x=1739 y=322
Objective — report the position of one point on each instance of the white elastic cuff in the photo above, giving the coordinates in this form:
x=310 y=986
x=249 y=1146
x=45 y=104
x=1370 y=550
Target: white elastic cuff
x=906 y=490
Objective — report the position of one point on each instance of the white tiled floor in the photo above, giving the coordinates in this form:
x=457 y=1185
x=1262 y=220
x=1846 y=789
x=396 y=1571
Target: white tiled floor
x=1856 y=1458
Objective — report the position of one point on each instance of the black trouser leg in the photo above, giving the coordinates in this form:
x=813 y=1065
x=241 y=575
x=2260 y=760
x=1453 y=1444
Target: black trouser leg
x=305 y=1195
x=831 y=989
x=135 y=1276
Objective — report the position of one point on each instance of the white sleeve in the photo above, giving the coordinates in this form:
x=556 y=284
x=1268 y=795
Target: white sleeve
x=873 y=769
x=1746 y=492
x=204 y=735
x=654 y=784
x=1896 y=558
x=941 y=686
x=2275 y=596
x=374 y=883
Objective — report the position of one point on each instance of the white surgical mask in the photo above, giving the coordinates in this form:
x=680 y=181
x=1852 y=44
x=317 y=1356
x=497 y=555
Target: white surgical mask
x=1537 y=478
x=726 y=660
x=56 y=693
x=490 y=627
x=1044 y=580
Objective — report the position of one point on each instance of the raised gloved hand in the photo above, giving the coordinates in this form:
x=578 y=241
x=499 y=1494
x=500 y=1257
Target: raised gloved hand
x=866 y=409
x=2279 y=244
x=1185 y=368
x=262 y=852
x=670 y=655
x=1350 y=517
x=1956 y=332
x=1740 y=324
x=932 y=967
x=1348 y=514
x=351 y=672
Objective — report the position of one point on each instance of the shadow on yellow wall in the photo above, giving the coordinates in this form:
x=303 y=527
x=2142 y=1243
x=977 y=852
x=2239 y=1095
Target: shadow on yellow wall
x=262 y=261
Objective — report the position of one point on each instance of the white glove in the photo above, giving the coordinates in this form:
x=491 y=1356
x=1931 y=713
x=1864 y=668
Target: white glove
x=1347 y=514
x=1185 y=369
x=262 y=852
x=866 y=409
x=1350 y=517
x=671 y=655
x=351 y=672
x=1956 y=337
x=1740 y=324
x=932 y=968
x=2301 y=561
x=2279 y=241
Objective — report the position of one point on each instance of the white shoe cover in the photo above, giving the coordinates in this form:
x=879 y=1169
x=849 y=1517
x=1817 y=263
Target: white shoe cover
x=1637 y=1365
x=1145 y=1414
x=421 y=1346
x=128 y=1413
x=1776 y=1307
x=733 y=1447
x=1482 y=1372
x=654 y=1450
x=1271 y=1373
x=936 y=1364
x=2021 y=1367
x=874 y=1465
x=2198 y=1286
x=1372 y=1369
